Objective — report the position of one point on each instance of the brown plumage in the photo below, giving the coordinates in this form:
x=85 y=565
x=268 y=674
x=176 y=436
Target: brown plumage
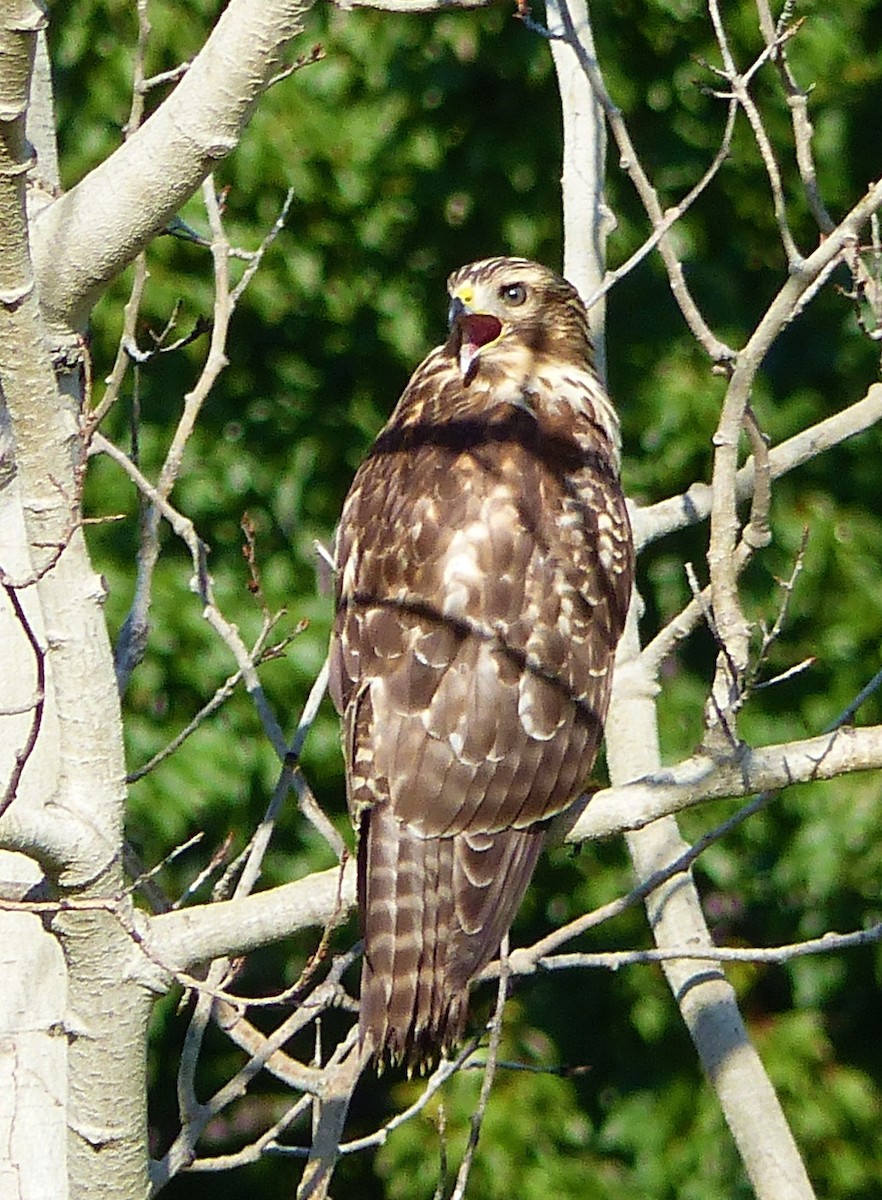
x=484 y=568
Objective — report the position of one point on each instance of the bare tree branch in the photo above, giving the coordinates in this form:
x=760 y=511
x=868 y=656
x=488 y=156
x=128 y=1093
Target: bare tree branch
x=255 y=1150
x=678 y=512
x=87 y=236
x=724 y=519
x=584 y=153
x=462 y=1175
x=797 y=99
x=195 y=1115
x=233 y=927
x=673 y=213
x=332 y=1104
x=738 y=84
x=829 y=943
x=574 y=19
x=702 y=778
x=133 y=636
x=444 y=1070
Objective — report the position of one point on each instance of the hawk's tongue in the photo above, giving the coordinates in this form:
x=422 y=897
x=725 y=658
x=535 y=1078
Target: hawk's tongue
x=477 y=330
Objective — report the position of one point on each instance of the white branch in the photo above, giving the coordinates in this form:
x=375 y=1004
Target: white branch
x=724 y=520
x=232 y=927
x=678 y=512
x=701 y=778
x=86 y=238
x=588 y=220
x=524 y=962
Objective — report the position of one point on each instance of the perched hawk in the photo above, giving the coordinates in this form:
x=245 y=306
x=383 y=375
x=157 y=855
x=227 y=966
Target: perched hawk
x=484 y=566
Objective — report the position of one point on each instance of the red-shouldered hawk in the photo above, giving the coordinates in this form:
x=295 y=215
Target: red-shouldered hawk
x=484 y=568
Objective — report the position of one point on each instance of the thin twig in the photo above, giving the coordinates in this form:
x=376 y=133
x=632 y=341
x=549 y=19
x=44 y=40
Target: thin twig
x=770 y=636
x=260 y=653
x=477 y=1119
x=21 y=756
x=680 y=512
x=256 y=257
x=613 y=960
x=255 y=1150
x=673 y=213
x=147 y=876
x=716 y=349
x=444 y=1070
x=797 y=100
x=738 y=84
x=171 y=76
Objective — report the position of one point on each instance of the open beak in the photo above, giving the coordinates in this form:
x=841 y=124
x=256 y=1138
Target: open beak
x=475 y=330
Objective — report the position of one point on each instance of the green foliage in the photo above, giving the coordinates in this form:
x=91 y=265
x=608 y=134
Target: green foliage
x=415 y=145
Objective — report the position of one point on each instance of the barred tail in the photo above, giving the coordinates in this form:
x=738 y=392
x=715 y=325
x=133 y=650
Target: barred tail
x=434 y=912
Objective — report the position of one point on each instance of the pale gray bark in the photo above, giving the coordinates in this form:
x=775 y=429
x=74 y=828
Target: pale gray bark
x=33 y=1066
x=587 y=218
x=92 y=233
x=73 y=1019
x=33 y=1076
x=707 y=1002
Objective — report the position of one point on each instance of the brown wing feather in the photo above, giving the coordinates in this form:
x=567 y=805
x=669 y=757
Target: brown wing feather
x=484 y=571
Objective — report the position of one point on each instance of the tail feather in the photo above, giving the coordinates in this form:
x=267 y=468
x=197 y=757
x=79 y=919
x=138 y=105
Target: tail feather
x=491 y=874
x=434 y=911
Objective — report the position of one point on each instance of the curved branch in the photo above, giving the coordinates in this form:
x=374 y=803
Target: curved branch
x=575 y=22
x=22 y=755
x=701 y=778
x=678 y=512
x=829 y=943
x=87 y=237
x=724 y=520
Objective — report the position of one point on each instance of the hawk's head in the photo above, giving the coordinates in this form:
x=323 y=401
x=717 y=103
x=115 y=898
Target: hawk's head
x=504 y=305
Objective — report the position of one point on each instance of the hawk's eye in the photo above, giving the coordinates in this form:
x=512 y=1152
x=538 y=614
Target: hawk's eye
x=513 y=293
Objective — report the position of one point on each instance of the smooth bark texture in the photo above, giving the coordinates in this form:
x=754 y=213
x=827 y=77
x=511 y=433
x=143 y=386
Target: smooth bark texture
x=668 y=790
x=588 y=221
x=33 y=1078
x=707 y=1002
x=79 y=1056
x=94 y=231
